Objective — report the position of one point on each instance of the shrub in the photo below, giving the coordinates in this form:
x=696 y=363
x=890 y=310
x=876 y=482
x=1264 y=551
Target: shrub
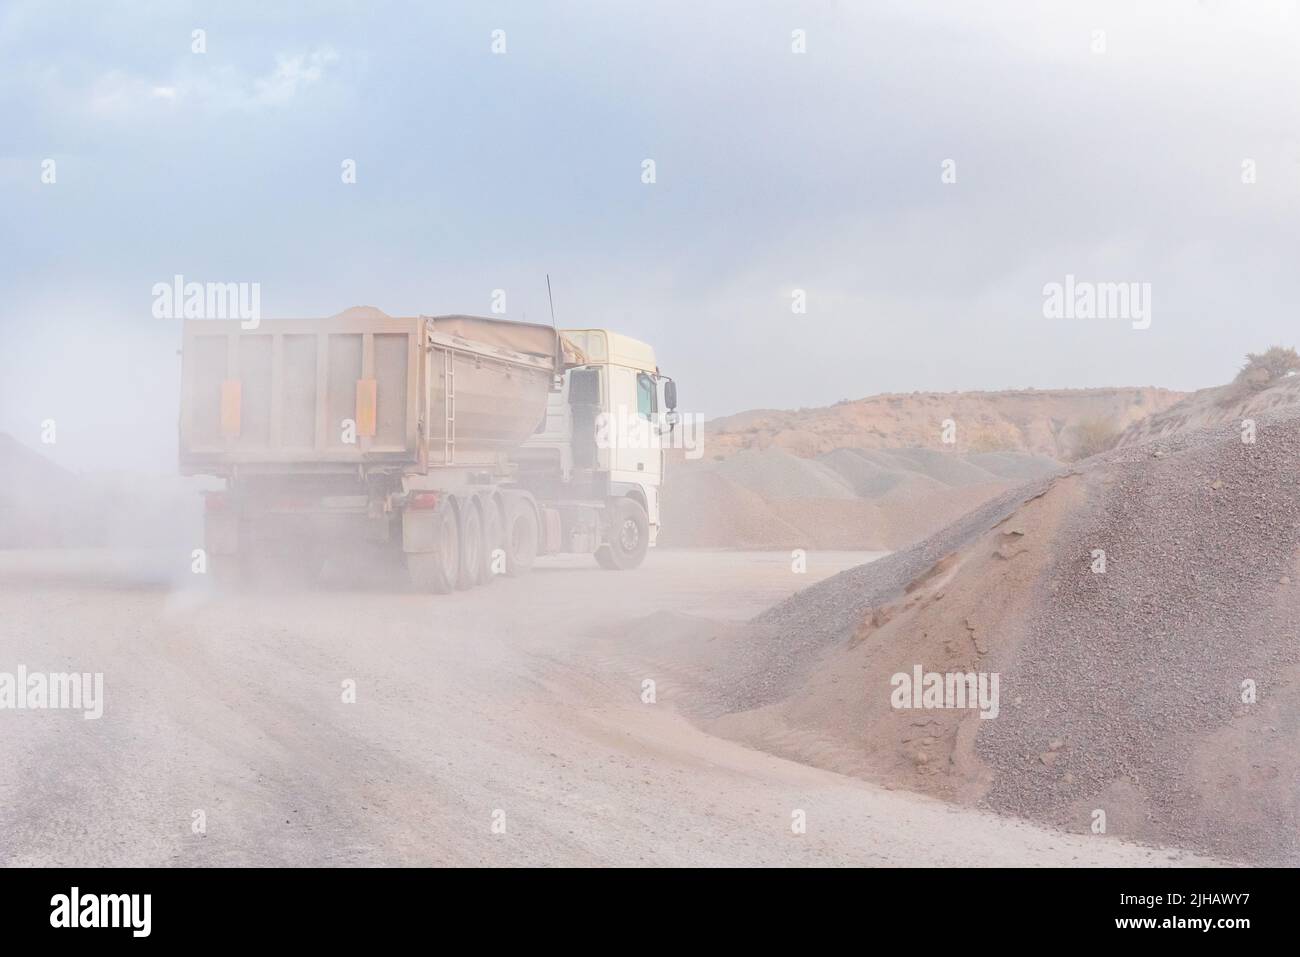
x=1092 y=436
x=1262 y=369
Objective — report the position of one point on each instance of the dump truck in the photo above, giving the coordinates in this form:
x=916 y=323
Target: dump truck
x=467 y=446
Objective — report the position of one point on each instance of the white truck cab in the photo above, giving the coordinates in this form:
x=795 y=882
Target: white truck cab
x=606 y=426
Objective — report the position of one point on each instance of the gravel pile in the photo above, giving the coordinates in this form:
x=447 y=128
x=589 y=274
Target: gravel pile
x=792 y=634
x=1121 y=691
x=945 y=467
x=1135 y=674
x=869 y=473
x=847 y=498
x=1014 y=466
x=775 y=473
x=871 y=479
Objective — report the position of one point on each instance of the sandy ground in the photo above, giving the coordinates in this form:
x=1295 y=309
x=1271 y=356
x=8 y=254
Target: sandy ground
x=514 y=704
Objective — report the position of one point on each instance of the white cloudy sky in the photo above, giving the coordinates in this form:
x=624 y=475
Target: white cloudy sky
x=776 y=171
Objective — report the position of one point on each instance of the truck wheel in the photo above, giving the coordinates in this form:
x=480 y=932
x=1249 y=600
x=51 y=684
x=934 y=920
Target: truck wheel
x=521 y=534
x=471 y=545
x=493 y=540
x=439 y=570
x=629 y=536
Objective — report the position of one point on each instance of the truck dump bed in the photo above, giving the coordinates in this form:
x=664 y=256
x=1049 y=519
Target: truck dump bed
x=361 y=388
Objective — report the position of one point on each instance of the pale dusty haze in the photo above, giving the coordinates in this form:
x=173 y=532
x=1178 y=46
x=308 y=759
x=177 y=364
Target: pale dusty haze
x=776 y=171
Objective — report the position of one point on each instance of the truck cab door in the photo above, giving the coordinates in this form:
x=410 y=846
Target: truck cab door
x=633 y=415
x=583 y=391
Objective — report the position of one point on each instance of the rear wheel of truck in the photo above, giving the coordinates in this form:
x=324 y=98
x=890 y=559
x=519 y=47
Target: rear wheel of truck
x=629 y=536
x=438 y=571
x=521 y=534
x=471 y=545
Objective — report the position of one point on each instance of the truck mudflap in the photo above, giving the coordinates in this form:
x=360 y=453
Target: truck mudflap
x=421 y=527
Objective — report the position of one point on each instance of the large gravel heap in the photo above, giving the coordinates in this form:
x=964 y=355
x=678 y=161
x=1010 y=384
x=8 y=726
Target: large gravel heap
x=1137 y=674
x=1122 y=691
x=876 y=499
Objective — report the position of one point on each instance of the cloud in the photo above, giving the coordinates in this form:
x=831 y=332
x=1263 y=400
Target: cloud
x=118 y=94
x=292 y=73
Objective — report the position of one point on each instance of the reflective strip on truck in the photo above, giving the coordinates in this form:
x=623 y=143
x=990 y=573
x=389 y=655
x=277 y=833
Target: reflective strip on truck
x=367 y=406
x=231 y=403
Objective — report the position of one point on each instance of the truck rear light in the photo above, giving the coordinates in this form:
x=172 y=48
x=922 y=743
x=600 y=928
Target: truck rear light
x=423 y=500
x=215 y=502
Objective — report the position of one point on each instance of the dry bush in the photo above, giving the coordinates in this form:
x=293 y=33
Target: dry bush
x=1262 y=369
x=1092 y=436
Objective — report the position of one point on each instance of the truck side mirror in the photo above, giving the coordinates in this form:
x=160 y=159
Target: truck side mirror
x=670 y=395
x=584 y=387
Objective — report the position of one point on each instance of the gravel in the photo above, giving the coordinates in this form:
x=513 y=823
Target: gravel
x=1124 y=692
x=793 y=633
x=775 y=473
x=1137 y=667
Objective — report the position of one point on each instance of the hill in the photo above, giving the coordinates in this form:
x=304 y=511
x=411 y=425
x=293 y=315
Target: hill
x=876 y=473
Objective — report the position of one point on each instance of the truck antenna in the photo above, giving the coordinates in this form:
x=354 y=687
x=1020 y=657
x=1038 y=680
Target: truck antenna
x=551 y=300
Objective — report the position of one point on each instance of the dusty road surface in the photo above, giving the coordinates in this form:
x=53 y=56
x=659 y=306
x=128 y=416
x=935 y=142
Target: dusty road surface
x=514 y=705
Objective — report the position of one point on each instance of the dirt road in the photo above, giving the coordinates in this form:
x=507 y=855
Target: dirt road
x=491 y=727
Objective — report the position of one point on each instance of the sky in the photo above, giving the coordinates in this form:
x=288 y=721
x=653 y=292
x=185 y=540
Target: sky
x=1146 y=142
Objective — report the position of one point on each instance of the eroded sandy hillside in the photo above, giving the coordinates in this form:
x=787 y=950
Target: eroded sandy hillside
x=880 y=473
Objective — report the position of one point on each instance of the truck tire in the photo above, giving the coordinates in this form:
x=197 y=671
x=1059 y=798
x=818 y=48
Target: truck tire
x=471 y=545
x=493 y=539
x=521 y=534
x=438 y=571
x=629 y=536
